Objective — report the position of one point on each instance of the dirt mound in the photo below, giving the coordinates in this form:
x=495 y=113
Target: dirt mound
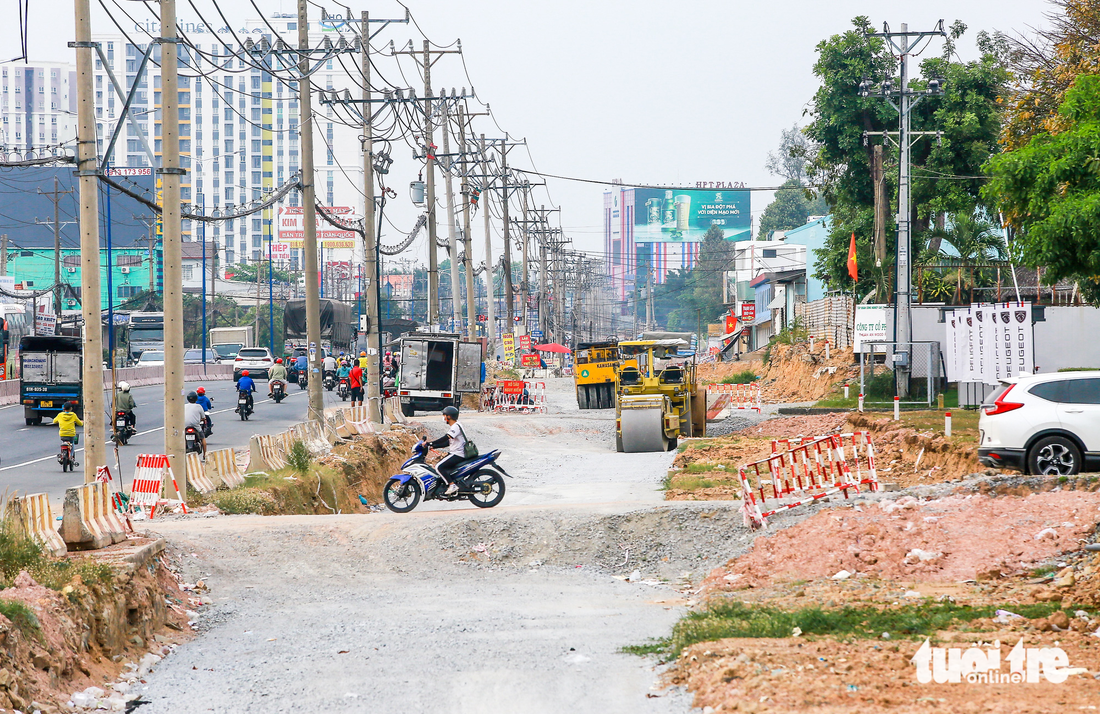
x=60 y=641
x=793 y=373
x=942 y=540
x=910 y=457
x=806 y=425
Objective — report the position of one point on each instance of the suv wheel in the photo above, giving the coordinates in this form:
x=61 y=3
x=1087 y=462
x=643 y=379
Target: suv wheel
x=1054 y=456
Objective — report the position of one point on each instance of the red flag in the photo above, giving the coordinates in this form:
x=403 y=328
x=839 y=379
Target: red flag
x=853 y=265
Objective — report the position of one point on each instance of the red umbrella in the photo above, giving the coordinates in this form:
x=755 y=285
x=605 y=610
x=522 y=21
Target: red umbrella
x=553 y=347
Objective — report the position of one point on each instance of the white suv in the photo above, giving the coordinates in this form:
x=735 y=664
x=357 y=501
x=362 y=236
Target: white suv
x=1043 y=424
x=257 y=360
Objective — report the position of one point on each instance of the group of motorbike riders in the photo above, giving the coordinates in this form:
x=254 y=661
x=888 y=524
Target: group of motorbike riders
x=196 y=411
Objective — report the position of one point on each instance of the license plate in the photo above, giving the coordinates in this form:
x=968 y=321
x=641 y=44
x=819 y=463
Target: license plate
x=243 y=401
x=45 y=404
x=120 y=422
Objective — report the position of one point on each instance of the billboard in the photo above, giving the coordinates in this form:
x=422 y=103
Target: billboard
x=685 y=214
x=291 y=227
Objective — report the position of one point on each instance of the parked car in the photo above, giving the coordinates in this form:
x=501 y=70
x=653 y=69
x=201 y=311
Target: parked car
x=151 y=358
x=257 y=360
x=1042 y=424
x=195 y=357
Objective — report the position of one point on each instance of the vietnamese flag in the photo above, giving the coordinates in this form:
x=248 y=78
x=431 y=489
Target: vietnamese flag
x=853 y=265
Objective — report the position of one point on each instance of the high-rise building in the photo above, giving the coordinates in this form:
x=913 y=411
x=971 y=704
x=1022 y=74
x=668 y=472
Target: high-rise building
x=238 y=128
x=37 y=108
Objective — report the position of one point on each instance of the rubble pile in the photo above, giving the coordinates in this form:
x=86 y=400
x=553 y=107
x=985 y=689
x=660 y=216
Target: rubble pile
x=909 y=457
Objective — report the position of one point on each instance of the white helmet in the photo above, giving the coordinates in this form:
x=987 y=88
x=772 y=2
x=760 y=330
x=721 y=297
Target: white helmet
x=124 y=386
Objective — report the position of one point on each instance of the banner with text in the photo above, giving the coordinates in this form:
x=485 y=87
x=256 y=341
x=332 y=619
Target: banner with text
x=989 y=342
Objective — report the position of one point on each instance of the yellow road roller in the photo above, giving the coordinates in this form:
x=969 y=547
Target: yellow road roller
x=657 y=398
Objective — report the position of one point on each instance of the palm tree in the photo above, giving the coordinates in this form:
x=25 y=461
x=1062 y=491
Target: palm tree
x=975 y=240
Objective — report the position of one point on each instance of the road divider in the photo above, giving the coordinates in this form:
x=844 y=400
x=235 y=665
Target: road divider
x=196 y=474
x=224 y=465
x=89 y=520
x=33 y=516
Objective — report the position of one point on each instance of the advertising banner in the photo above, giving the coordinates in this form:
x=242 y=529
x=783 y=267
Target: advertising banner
x=748 y=312
x=986 y=343
x=280 y=251
x=529 y=361
x=291 y=227
x=684 y=215
x=525 y=342
x=508 y=340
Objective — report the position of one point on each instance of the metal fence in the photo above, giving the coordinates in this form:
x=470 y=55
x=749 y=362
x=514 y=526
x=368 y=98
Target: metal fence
x=830 y=318
x=878 y=361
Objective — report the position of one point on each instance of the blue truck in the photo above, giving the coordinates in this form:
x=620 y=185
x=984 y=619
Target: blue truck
x=51 y=369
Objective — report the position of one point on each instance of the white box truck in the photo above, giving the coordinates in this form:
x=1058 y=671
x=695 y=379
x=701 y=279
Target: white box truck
x=436 y=370
x=228 y=341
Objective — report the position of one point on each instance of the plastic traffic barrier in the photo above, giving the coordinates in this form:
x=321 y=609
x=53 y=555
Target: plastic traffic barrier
x=151 y=473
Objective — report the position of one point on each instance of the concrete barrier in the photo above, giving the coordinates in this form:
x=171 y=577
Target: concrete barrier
x=89 y=521
x=196 y=474
x=33 y=516
x=225 y=471
x=263 y=454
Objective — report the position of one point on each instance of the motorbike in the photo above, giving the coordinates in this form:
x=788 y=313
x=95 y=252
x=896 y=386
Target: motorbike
x=330 y=381
x=123 y=431
x=191 y=440
x=67 y=456
x=342 y=389
x=242 y=406
x=207 y=425
x=278 y=392
x=303 y=379
x=479 y=481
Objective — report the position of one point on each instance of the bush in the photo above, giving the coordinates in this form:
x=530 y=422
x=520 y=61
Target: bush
x=299 y=458
x=18 y=553
x=23 y=618
x=743 y=377
x=246 y=500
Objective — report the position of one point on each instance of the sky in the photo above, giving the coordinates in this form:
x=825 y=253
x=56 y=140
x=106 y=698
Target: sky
x=645 y=91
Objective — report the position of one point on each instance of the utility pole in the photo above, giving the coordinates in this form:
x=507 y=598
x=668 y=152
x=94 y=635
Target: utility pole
x=55 y=197
x=490 y=287
x=4 y=254
x=904 y=43
x=649 y=296
x=86 y=150
x=509 y=304
x=467 y=243
x=173 y=247
x=309 y=205
x=374 y=315
x=456 y=312
x=523 y=287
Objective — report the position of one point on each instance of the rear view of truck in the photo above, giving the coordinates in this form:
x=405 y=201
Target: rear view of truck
x=436 y=370
x=52 y=370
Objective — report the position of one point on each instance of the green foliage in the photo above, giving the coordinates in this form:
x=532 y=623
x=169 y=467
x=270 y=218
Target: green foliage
x=299 y=457
x=246 y=500
x=791 y=333
x=698 y=292
x=23 y=618
x=743 y=377
x=792 y=207
x=19 y=553
x=733 y=618
x=1078 y=369
x=1049 y=190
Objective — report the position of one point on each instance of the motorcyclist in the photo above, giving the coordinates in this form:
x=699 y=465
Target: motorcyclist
x=343 y=370
x=124 y=402
x=302 y=365
x=206 y=404
x=455 y=441
x=277 y=374
x=248 y=386
x=329 y=365
x=363 y=361
x=67 y=422
x=193 y=414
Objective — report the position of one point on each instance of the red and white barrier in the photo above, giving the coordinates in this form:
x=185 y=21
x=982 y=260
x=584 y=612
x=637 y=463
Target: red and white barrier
x=509 y=397
x=808 y=468
x=149 y=475
x=729 y=397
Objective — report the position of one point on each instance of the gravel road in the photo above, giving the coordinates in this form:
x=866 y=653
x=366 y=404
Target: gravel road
x=521 y=608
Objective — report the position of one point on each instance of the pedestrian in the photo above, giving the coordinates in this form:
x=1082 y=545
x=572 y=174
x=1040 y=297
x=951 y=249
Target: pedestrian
x=355 y=381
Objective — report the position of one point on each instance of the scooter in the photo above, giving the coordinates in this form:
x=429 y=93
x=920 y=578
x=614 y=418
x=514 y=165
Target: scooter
x=123 y=431
x=191 y=440
x=342 y=389
x=278 y=392
x=67 y=456
x=330 y=381
x=479 y=481
x=207 y=425
x=303 y=379
x=242 y=405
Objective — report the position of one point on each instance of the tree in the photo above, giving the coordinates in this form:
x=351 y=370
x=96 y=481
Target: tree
x=1049 y=190
x=795 y=152
x=790 y=209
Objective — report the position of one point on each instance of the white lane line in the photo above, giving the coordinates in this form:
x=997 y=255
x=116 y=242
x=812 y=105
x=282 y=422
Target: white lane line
x=140 y=433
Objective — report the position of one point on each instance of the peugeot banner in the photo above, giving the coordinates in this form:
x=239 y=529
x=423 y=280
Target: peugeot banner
x=989 y=342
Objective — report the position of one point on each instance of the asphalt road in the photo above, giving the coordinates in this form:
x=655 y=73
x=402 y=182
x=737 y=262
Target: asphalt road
x=28 y=454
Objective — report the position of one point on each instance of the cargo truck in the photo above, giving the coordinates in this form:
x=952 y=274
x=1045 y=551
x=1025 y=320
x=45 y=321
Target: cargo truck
x=52 y=374
x=436 y=370
x=228 y=341
x=146 y=332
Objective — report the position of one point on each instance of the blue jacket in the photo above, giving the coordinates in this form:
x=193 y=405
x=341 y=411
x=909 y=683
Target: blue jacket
x=302 y=363
x=204 y=401
x=245 y=384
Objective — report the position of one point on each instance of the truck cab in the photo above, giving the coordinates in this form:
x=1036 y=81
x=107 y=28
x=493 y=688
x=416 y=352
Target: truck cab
x=436 y=370
x=146 y=332
x=52 y=374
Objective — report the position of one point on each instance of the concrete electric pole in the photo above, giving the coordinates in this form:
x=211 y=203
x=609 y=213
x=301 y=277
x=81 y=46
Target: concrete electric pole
x=86 y=156
x=55 y=196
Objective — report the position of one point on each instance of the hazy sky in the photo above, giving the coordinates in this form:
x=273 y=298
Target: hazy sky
x=644 y=91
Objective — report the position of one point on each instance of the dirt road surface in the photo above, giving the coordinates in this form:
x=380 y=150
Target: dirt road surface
x=450 y=608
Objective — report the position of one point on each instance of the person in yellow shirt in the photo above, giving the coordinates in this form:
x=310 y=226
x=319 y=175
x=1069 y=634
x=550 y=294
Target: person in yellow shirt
x=363 y=361
x=67 y=422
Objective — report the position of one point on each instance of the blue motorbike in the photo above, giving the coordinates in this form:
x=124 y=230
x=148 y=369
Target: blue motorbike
x=479 y=481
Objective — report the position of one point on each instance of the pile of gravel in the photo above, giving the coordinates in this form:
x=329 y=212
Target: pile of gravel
x=732 y=423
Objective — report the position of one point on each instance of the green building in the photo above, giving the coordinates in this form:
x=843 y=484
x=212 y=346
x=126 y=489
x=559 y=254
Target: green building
x=130 y=272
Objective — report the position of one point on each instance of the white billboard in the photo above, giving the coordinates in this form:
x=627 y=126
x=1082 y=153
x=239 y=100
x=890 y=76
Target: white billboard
x=291 y=227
